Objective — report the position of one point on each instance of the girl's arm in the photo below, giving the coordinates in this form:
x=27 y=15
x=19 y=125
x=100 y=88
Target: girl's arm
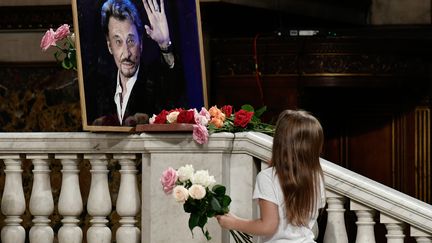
x=267 y=224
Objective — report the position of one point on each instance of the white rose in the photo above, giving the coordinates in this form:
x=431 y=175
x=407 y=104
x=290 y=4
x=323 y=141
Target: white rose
x=152 y=119
x=201 y=177
x=185 y=173
x=197 y=192
x=172 y=117
x=211 y=182
x=181 y=194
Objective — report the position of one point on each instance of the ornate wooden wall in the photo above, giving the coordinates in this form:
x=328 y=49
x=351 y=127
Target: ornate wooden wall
x=370 y=90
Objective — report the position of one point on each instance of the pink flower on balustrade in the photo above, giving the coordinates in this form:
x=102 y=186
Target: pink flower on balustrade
x=48 y=40
x=168 y=180
x=200 y=134
x=62 y=32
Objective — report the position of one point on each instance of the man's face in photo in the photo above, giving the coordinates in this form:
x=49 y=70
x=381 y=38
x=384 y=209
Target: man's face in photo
x=125 y=46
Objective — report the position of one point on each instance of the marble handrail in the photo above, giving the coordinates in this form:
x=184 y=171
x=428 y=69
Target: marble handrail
x=236 y=152
x=358 y=188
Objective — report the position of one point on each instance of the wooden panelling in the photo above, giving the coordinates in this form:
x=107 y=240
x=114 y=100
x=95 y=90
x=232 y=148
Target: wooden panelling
x=364 y=89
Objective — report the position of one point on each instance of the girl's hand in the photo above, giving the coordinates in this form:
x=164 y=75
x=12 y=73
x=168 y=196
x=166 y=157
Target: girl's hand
x=226 y=221
x=158 y=29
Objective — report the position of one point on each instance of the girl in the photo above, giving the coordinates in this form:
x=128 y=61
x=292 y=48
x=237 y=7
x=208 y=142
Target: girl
x=291 y=190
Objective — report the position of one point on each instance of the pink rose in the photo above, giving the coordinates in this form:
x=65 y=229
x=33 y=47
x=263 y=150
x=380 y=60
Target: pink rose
x=204 y=112
x=168 y=180
x=62 y=32
x=48 y=40
x=200 y=134
x=203 y=117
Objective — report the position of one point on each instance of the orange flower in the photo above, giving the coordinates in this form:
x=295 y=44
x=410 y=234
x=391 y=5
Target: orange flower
x=216 y=122
x=216 y=113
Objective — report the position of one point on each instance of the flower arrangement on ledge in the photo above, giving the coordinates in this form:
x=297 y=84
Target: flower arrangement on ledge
x=213 y=120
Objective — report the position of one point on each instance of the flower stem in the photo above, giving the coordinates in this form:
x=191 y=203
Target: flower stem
x=236 y=238
x=241 y=237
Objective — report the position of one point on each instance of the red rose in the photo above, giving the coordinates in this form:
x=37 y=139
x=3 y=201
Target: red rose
x=186 y=117
x=242 y=118
x=161 y=118
x=227 y=110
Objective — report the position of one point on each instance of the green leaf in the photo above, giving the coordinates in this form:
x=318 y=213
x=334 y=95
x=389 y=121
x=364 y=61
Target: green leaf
x=215 y=205
x=207 y=235
x=247 y=107
x=226 y=200
x=219 y=190
x=210 y=213
x=66 y=64
x=260 y=111
x=193 y=220
x=202 y=220
x=187 y=207
x=57 y=56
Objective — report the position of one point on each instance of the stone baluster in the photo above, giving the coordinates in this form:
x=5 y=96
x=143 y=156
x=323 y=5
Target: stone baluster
x=99 y=201
x=41 y=203
x=394 y=228
x=335 y=229
x=365 y=223
x=128 y=201
x=70 y=204
x=13 y=201
x=420 y=235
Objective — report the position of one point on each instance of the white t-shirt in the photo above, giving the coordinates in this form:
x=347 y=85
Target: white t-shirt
x=267 y=187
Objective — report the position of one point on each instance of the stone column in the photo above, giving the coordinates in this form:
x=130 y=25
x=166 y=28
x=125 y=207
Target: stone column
x=70 y=204
x=99 y=200
x=335 y=230
x=13 y=202
x=41 y=200
x=128 y=200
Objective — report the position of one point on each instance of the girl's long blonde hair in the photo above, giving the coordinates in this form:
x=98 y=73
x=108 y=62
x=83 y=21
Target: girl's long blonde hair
x=297 y=145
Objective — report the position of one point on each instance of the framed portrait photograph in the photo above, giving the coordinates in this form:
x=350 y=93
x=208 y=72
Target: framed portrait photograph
x=136 y=58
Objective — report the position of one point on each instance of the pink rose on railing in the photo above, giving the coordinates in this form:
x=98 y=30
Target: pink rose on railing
x=200 y=134
x=168 y=180
x=242 y=118
x=64 y=41
x=202 y=118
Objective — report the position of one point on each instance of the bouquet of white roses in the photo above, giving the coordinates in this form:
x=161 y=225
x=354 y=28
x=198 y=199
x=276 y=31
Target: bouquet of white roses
x=200 y=196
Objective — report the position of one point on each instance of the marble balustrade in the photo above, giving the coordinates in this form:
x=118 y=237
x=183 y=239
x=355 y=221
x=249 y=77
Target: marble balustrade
x=148 y=215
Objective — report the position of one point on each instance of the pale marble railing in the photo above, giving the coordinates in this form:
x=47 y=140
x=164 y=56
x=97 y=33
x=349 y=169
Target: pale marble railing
x=234 y=160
